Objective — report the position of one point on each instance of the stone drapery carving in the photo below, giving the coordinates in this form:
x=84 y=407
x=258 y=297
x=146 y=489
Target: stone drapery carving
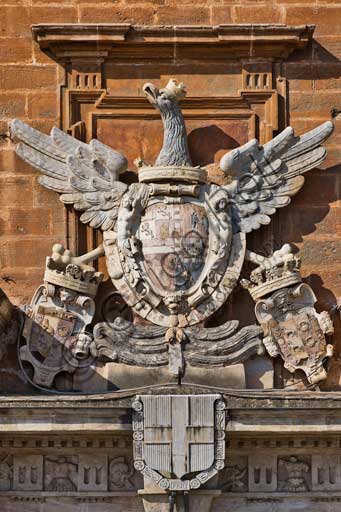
x=123 y=342
x=174 y=243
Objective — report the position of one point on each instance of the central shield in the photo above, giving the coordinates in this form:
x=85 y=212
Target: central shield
x=174 y=259
x=175 y=240
x=178 y=435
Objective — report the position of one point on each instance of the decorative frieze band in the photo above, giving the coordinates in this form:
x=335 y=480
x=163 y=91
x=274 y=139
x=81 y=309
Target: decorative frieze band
x=63 y=473
x=291 y=473
x=60 y=472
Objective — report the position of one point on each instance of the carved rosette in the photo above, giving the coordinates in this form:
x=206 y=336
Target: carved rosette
x=147 y=439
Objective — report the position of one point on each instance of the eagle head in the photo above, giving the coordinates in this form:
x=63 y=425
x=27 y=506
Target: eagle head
x=165 y=98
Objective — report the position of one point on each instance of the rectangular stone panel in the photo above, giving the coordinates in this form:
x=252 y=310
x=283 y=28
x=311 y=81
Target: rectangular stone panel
x=326 y=473
x=28 y=472
x=93 y=473
x=262 y=473
x=208 y=139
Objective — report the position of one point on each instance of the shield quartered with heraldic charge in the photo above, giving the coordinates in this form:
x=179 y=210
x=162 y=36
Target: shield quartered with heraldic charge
x=179 y=435
x=175 y=243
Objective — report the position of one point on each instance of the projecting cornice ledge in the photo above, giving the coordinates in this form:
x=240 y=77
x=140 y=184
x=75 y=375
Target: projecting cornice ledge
x=122 y=42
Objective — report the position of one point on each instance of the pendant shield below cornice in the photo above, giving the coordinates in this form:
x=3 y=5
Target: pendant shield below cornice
x=174 y=258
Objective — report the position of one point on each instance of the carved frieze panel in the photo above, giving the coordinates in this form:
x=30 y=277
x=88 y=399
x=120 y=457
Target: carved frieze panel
x=28 y=472
x=326 y=472
x=93 y=473
x=122 y=475
x=234 y=476
x=6 y=472
x=69 y=473
x=262 y=473
x=61 y=473
x=272 y=471
x=294 y=474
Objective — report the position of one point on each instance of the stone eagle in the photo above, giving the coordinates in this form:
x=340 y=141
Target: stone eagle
x=262 y=177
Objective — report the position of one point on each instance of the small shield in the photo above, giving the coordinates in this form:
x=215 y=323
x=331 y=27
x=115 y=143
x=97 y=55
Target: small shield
x=174 y=244
x=179 y=433
x=51 y=333
x=51 y=329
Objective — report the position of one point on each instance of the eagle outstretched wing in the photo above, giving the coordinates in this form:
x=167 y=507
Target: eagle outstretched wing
x=263 y=178
x=86 y=175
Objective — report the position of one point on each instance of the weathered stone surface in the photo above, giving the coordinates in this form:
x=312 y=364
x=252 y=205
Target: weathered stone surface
x=305 y=463
x=179 y=436
x=175 y=260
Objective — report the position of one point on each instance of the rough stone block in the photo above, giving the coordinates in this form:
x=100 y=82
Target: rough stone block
x=117 y=14
x=28 y=77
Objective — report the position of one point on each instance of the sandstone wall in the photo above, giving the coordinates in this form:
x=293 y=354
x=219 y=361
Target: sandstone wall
x=32 y=219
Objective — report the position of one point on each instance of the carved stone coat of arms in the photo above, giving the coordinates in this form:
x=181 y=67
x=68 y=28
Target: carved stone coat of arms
x=174 y=245
x=179 y=435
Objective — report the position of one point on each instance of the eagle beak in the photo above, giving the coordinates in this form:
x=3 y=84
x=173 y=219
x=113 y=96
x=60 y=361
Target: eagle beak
x=151 y=92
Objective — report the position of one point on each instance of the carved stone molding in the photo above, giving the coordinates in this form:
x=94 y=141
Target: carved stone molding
x=125 y=41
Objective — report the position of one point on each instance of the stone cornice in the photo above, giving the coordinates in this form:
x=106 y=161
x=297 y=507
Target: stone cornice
x=34 y=418
x=262 y=412
x=124 y=42
x=243 y=399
